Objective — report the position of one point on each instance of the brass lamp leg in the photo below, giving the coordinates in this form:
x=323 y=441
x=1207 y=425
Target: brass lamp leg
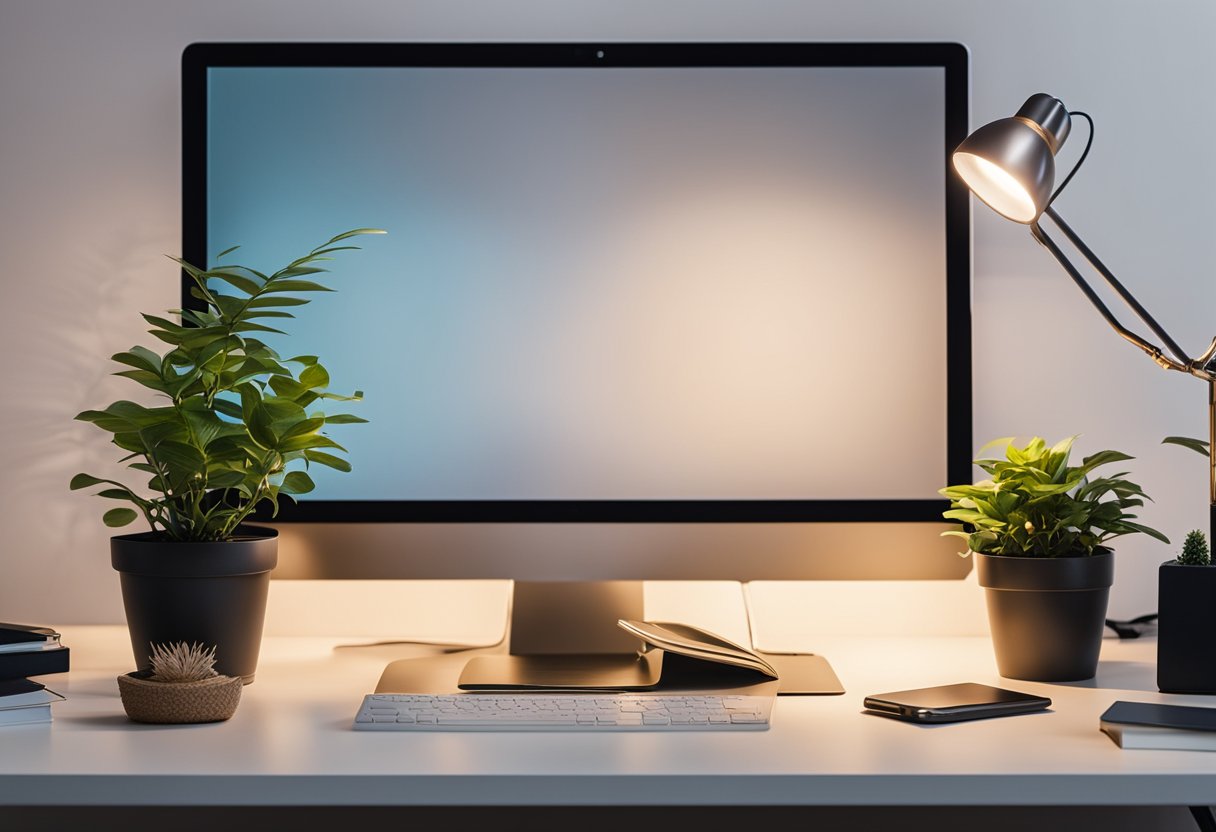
x=1212 y=461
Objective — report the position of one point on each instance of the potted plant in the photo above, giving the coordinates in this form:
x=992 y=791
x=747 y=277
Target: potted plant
x=1186 y=610
x=235 y=426
x=1038 y=528
x=181 y=687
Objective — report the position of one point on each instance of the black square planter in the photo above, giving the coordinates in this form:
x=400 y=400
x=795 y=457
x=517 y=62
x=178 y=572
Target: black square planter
x=1186 y=628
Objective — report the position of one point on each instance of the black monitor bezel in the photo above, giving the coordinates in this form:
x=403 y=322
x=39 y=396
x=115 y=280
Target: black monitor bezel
x=953 y=58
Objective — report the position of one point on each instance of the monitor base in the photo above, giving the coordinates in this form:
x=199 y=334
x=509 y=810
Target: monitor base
x=801 y=675
x=564 y=636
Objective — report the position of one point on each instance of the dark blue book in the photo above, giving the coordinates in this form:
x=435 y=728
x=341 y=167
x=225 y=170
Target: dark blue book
x=16 y=687
x=35 y=663
x=18 y=633
x=1156 y=725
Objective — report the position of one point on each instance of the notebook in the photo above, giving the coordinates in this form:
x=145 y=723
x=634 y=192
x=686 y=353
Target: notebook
x=1160 y=726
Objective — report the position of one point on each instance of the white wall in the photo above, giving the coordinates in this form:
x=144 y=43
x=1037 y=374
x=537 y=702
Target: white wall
x=89 y=203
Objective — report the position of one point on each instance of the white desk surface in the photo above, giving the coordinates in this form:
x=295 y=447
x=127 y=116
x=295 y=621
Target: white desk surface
x=291 y=743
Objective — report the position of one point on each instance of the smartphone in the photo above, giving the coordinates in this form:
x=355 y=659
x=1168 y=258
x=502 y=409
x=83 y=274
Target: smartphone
x=954 y=703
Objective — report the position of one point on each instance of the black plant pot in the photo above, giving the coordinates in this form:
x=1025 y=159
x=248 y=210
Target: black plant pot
x=1186 y=628
x=1047 y=614
x=212 y=593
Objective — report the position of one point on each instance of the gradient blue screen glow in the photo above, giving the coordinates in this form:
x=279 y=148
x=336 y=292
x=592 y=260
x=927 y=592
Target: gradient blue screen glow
x=607 y=283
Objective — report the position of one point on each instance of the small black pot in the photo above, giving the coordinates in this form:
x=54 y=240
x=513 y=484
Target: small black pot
x=1047 y=614
x=212 y=593
x=1186 y=628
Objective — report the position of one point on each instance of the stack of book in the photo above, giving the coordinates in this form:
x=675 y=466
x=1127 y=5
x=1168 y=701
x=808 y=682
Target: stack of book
x=1157 y=725
x=25 y=651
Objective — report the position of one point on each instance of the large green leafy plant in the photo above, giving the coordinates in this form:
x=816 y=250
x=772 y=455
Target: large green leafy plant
x=239 y=424
x=1036 y=505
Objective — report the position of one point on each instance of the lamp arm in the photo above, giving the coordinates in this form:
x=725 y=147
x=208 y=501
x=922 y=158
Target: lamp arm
x=1180 y=360
x=1114 y=283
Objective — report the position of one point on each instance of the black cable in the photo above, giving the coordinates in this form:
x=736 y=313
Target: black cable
x=1088 y=144
x=1131 y=627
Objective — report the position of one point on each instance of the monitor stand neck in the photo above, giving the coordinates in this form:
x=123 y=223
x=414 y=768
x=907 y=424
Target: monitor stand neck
x=564 y=635
x=573 y=617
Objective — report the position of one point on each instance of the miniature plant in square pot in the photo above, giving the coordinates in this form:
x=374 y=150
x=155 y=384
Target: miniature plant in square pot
x=1186 y=610
x=1039 y=528
x=236 y=426
x=181 y=687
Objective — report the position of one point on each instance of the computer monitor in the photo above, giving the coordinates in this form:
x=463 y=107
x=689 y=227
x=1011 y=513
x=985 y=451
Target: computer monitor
x=644 y=311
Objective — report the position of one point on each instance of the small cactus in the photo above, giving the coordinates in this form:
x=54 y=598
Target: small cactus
x=1195 y=550
x=181 y=662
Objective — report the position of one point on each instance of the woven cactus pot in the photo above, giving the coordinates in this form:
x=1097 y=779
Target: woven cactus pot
x=207 y=700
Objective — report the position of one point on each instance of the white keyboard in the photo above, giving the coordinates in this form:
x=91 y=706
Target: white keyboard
x=531 y=711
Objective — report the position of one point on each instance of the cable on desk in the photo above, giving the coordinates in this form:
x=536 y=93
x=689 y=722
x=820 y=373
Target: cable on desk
x=1133 y=627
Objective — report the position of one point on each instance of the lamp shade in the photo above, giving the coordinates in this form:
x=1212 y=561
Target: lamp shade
x=1010 y=163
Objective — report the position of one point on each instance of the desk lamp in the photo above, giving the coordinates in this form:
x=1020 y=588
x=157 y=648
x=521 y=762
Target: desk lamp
x=1010 y=165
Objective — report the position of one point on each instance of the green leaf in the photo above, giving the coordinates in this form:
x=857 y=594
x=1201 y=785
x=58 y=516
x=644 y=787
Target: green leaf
x=283 y=410
x=236 y=280
x=164 y=323
x=287 y=387
x=1199 y=446
x=1102 y=458
x=141 y=358
x=344 y=419
x=150 y=380
x=319 y=251
x=116 y=517
x=1153 y=533
x=297 y=482
x=115 y=494
x=84 y=481
x=196 y=317
x=187 y=460
x=314 y=375
x=294 y=286
x=322 y=458
x=226 y=251
x=356 y=232
x=264 y=301
x=303 y=428
x=245 y=326
x=190 y=269
x=306 y=443
x=358 y=396
x=227 y=408
x=251 y=314
x=962 y=515
x=225 y=478
x=203 y=424
x=261 y=427
x=299 y=271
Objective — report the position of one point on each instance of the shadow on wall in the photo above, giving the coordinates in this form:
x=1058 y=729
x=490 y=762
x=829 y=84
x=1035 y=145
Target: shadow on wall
x=86 y=321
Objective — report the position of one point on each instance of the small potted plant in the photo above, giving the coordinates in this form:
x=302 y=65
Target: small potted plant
x=181 y=686
x=1186 y=610
x=1039 y=529
x=234 y=426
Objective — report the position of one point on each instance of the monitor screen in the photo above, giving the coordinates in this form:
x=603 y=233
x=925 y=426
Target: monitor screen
x=722 y=283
